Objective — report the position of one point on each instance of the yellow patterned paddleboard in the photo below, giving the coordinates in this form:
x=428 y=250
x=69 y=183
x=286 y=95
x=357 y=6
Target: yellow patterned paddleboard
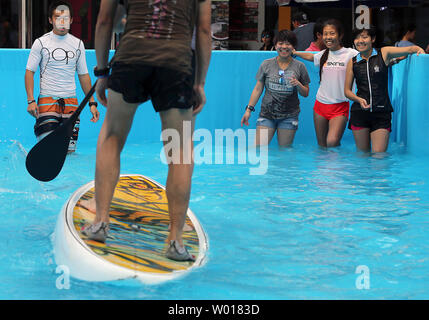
x=135 y=247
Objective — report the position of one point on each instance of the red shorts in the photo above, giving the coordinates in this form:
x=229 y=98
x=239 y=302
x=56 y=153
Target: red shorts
x=329 y=111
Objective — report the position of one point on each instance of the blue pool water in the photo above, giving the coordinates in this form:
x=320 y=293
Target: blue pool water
x=297 y=232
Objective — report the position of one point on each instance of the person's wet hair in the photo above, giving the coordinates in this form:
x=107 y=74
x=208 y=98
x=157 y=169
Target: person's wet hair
x=286 y=35
x=55 y=4
x=371 y=31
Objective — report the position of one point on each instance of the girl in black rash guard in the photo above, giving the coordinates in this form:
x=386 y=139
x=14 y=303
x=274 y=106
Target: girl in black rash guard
x=371 y=111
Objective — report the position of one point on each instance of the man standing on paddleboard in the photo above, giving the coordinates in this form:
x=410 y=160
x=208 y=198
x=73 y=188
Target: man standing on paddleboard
x=59 y=55
x=153 y=61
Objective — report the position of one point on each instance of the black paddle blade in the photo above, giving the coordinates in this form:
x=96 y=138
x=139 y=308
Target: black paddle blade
x=46 y=159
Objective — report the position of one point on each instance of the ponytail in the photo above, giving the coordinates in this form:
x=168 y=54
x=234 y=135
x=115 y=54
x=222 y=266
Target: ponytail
x=323 y=60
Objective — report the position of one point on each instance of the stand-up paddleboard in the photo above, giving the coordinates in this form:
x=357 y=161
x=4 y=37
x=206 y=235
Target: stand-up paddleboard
x=135 y=247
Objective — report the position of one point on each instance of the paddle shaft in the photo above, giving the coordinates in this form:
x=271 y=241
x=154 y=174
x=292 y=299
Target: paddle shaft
x=82 y=105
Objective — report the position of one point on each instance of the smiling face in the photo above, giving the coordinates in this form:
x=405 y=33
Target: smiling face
x=284 y=49
x=331 y=37
x=363 y=41
x=61 y=20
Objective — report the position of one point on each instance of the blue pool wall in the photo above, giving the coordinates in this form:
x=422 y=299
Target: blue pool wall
x=229 y=83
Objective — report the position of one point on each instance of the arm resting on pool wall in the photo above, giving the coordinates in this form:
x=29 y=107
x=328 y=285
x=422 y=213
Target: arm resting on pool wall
x=304 y=55
x=390 y=53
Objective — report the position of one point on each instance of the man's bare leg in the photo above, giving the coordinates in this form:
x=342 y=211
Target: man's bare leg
x=178 y=193
x=114 y=132
x=178 y=186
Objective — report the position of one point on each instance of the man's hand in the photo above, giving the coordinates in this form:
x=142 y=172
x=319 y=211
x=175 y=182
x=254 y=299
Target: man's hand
x=33 y=109
x=200 y=96
x=419 y=50
x=95 y=114
x=246 y=117
x=100 y=89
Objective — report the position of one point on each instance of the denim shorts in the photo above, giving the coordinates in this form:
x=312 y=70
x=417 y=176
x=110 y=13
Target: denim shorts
x=286 y=123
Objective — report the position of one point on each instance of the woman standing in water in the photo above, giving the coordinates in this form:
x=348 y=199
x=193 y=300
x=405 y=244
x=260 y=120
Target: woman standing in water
x=283 y=78
x=331 y=109
x=371 y=111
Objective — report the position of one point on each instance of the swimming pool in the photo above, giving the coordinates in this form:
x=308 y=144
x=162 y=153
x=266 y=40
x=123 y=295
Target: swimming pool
x=297 y=232
x=300 y=231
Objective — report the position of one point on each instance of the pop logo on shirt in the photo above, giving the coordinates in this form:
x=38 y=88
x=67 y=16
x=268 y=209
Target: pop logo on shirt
x=59 y=54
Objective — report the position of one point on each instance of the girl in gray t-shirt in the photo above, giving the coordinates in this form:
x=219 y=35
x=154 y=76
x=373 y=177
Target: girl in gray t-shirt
x=283 y=78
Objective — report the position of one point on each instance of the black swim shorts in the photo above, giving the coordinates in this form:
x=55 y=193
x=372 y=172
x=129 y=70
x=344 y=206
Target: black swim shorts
x=166 y=88
x=360 y=119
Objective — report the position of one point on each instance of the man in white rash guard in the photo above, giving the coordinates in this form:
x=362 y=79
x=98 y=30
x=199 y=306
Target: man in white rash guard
x=59 y=55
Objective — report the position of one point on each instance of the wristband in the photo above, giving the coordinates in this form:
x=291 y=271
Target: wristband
x=30 y=101
x=102 y=73
x=93 y=103
x=251 y=108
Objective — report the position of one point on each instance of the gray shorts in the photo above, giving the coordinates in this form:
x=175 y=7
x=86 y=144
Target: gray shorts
x=287 y=123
